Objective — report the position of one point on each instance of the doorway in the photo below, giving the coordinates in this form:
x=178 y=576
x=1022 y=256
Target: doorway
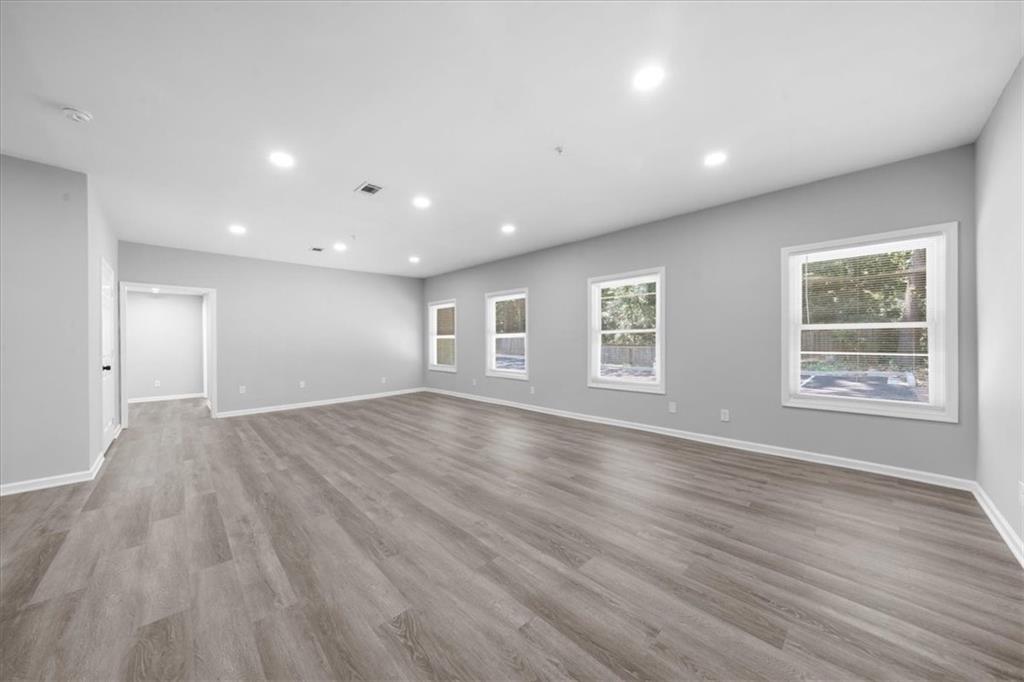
x=168 y=344
x=108 y=344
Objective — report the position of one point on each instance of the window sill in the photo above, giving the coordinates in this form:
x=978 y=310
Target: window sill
x=878 y=408
x=627 y=386
x=442 y=368
x=497 y=374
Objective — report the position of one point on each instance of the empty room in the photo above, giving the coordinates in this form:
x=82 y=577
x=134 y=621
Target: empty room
x=511 y=340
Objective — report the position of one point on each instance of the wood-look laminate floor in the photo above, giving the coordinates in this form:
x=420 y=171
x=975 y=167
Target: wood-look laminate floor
x=423 y=536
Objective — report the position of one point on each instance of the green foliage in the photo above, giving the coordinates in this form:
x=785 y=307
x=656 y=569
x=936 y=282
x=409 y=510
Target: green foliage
x=632 y=307
x=883 y=287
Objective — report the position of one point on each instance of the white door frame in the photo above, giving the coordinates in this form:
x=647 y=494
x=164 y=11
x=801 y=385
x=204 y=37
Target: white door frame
x=108 y=429
x=209 y=338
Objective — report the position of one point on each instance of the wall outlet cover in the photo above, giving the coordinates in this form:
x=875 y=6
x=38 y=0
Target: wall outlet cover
x=241 y=389
x=302 y=383
x=672 y=407
x=156 y=383
x=724 y=415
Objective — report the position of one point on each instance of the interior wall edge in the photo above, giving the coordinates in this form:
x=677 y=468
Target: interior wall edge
x=1001 y=523
x=316 y=403
x=55 y=481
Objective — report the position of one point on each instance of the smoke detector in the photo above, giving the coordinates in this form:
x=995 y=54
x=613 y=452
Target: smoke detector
x=368 y=188
x=76 y=115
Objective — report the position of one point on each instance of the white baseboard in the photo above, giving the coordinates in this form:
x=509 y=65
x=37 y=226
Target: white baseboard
x=53 y=481
x=1006 y=531
x=761 y=448
x=158 y=398
x=316 y=403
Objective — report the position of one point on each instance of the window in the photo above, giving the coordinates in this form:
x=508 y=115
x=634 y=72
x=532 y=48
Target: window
x=506 y=334
x=627 y=337
x=869 y=324
x=442 y=336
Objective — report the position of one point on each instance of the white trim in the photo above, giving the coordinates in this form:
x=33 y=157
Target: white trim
x=626 y=386
x=55 y=481
x=501 y=374
x=881 y=408
x=1003 y=526
x=594 y=331
x=432 y=335
x=942 y=305
x=113 y=427
x=209 y=331
x=158 y=398
x=761 y=448
x=490 y=299
x=314 y=403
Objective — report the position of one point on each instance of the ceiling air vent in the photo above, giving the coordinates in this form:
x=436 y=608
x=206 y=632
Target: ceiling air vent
x=368 y=188
x=318 y=249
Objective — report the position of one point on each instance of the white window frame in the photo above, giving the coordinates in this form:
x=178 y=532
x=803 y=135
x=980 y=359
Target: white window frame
x=942 y=311
x=433 y=336
x=594 y=286
x=490 y=300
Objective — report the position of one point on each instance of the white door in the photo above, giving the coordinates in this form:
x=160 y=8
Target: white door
x=108 y=306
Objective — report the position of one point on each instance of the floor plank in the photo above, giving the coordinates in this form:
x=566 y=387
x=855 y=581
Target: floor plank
x=427 y=537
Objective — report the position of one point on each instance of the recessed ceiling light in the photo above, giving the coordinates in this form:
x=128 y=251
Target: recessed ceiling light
x=508 y=228
x=155 y=290
x=236 y=229
x=716 y=158
x=281 y=159
x=414 y=259
x=340 y=246
x=420 y=201
x=77 y=115
x=648 y=78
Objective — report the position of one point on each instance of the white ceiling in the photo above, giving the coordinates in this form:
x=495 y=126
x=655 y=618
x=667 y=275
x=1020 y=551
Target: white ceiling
x=465 y=103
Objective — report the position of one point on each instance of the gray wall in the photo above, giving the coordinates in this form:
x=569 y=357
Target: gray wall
x=44 y=322
x=723 y=312
x=279 y=323
x=1000 y=156
x=102 y=246
x=164 y=337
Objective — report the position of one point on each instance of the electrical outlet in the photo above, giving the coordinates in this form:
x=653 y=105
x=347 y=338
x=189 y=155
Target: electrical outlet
x=474 y=381
x=724 y=415
x=672 y=406
x=383 y=380
x=241 y=389
x=302 y=383
x=533 y=391
x=156 y=383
